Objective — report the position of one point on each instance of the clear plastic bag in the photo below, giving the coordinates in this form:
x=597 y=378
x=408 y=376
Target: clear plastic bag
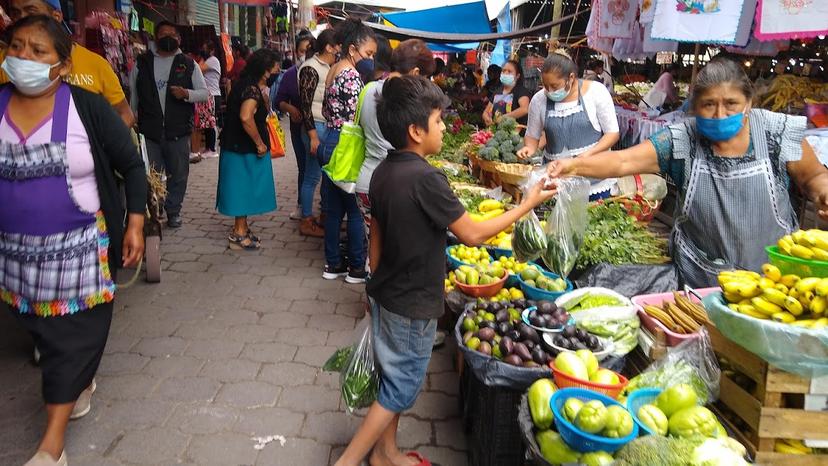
x=566 y=225
x=692 y=362
x=359 y=381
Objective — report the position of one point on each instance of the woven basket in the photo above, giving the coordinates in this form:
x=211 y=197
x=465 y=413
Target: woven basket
x=487 y=165
x=513 y=173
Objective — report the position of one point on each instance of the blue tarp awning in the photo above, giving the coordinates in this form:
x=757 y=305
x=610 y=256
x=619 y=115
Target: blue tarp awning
x=466 y=18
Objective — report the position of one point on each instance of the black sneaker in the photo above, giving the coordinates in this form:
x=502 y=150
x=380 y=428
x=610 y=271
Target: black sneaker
x=356 y=277
x=174 y=221
x=332 y=273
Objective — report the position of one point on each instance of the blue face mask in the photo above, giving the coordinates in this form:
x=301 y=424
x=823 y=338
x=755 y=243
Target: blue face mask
x=365 y=67
x=559 y=95
x=507 y=79
x=720 y=129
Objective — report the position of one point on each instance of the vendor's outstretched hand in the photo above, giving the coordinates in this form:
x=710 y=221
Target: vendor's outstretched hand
x=821 y=202
x=559 y=168
x=542 y=191
x=524 y=153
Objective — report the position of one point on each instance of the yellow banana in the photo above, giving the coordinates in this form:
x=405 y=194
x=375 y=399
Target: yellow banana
x=749 y=310
x=798 y=237
x=820 y=324
x=749 y=289
x=492 y=214
x=489 y=204
x=821 y=241
x=820 y=254
x=765 y=307
x=818 y=305
x=782 y=447
x=785 y=245
x=798 y=445
x=802 y=252
x=741 y=273
x=733 y=307
x=793 y=306
x=745 y=301
x=789 y=280
x=784 y=317
x=806 y=323
x=781 y=288
x=807 y=284
x=766 y=283
x=805 y=299
x=772 y=272
x=733 y=297
x=775 y=296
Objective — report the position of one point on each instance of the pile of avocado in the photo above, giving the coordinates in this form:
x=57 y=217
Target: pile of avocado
x=533 y=277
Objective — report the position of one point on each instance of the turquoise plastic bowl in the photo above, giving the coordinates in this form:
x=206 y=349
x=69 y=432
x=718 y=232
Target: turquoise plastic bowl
x=639 y=398
x=576 y=438
x=537 y=294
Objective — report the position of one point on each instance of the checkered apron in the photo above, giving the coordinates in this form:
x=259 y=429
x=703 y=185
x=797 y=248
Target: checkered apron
x=729 y=213
x=53 y=255
x=568 y=131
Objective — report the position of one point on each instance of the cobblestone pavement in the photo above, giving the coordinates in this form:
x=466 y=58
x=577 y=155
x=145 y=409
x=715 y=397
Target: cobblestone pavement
x=226 y=348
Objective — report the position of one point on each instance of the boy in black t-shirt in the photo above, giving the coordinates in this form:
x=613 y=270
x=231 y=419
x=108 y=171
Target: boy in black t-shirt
x=412 y=205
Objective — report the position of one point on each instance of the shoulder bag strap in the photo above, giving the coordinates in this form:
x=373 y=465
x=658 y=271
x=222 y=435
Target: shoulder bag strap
x=360 y=100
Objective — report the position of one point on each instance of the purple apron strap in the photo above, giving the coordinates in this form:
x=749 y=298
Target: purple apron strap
x=5 y=95
x=60 y=115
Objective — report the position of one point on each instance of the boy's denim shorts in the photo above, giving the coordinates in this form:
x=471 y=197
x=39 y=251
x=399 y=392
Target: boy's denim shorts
x=402 y=348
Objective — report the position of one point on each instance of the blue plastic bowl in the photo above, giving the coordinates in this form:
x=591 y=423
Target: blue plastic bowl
x=639 y=398
x=538 y=294
x=576 y=438
x=454 y=262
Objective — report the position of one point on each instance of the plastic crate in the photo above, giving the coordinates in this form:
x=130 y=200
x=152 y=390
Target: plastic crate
x=495 y=438
x=658 y=299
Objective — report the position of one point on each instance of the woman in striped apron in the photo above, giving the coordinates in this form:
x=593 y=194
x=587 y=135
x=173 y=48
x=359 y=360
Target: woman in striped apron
x=61 y=224
x=732 y=165
x=576 y=117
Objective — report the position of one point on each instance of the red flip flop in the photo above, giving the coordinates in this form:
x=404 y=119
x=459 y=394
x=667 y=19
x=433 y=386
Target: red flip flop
x=422 y=460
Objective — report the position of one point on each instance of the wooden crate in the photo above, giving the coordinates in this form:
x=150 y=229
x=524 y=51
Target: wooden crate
x=770 y=405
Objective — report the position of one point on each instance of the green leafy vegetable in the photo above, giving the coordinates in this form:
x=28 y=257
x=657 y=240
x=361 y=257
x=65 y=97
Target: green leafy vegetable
x=337 y=361
x=615 y=237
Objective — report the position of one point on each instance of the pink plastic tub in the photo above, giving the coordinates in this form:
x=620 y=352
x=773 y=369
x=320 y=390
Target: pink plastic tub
x=658 y=299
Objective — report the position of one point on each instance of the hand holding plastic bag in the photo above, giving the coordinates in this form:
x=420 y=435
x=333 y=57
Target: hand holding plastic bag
x=528 y=237
x=359 y=381
x=566 y=225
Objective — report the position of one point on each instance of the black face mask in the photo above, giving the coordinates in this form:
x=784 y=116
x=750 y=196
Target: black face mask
x=272 y=80
x=168 y=44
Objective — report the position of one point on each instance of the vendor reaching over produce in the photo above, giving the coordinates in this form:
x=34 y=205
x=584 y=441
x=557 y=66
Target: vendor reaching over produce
x=732 y=165
x=577 y=117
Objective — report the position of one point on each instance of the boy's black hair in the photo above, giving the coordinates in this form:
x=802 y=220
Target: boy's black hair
x=166 y=24
x=405 y=101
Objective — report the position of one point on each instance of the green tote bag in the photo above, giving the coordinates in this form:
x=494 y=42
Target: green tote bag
x=349 y=153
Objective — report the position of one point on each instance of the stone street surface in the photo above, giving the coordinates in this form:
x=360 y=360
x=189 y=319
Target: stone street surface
x=228 y=347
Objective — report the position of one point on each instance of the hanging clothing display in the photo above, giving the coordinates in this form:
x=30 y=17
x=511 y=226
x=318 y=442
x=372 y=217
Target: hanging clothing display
x=708 y=21
x=791 y=19
x=651 y=45
x=616 y=18
x=596 y=43
x=745 y=23
x=633 y=48
x=647 y=8
x=757 y=48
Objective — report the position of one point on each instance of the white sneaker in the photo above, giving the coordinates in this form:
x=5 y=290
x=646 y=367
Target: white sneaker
x=296 y=214
x=210 y=154
x=42 y=458
x=84 y=403
x=195 y=158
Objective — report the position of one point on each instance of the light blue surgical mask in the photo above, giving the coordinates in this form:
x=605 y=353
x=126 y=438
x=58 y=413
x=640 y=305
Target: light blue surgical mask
x=721 y=129
x=559 y=95
x=29 y=77
x=507 y=79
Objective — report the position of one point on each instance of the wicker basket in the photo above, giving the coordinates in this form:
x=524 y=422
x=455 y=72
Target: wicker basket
x=487 y=165
x=513 y=173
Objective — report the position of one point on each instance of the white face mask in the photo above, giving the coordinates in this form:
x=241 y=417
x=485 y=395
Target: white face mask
x=29 y=77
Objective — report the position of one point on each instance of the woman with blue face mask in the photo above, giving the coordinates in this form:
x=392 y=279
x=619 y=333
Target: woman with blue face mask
x=62 y=235
x=577 y=117
x=732 y=165
x=512 y=100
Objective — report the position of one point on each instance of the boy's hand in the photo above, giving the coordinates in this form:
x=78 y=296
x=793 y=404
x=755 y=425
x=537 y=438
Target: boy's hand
x=541 y=192
x=559 y=168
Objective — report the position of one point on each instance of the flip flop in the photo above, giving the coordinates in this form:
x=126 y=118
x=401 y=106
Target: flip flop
x=422 y=460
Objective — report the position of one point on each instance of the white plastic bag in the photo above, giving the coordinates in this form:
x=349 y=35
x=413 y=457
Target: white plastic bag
x=566 y=225
x=359 y=380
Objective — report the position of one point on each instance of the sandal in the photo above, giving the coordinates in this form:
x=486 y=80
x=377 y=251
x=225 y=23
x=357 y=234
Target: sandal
x=422 y=459
x=243 y=242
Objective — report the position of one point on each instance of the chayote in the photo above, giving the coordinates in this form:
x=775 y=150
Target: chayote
x=696 y=420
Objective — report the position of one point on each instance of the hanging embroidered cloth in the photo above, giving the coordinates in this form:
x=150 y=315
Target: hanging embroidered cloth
x=654 y=45
x=791 y=19
x=708 y=21
x=757 y=48
x=615 y=18
x=647 y=8
x=745 y=23
x=596 y=43
x=631 y=49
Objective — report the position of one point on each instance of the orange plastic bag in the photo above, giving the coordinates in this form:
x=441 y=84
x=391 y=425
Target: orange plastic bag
x=277 y=137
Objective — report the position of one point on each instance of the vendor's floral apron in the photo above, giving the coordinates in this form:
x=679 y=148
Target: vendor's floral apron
x=568 y=131
x=53 y=254
x=729 y=213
